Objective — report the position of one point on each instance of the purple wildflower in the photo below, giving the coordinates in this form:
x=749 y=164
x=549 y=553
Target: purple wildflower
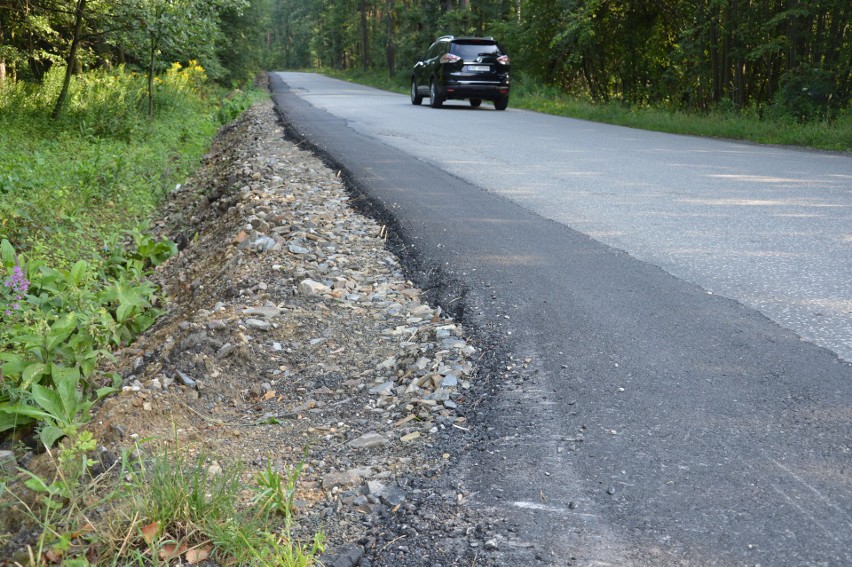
x=19 y=285
x=19 y=281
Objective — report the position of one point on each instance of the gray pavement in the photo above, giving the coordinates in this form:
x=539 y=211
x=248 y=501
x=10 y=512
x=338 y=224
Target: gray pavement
x=766 y=226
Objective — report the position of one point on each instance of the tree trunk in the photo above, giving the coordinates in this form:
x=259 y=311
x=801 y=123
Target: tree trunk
x=151 y=61
x=727 y=57
x=793 y=34
x=715 y=56
x=739 y=82
x=71 y=61
x=365 y=36
x=739 y=77
x=2 y=42
x=832 y=46
x=390 y=50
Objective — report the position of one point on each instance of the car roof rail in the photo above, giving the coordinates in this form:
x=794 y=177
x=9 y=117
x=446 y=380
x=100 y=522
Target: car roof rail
x=468 y=37
x=452 y=37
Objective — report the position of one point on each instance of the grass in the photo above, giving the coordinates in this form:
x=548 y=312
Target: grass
x=69 y=191
x=155 y=510
x=67 y=186
x=186 y=506
x=747 y=125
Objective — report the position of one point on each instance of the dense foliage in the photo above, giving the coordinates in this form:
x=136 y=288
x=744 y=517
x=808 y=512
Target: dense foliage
x=73 y=189
x=780 y=56
x=66 y=184
x=789 y=57
x=225 y=37
x=83 y=160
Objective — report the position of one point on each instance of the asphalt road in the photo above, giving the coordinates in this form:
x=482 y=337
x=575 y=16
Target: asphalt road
x=660 y=406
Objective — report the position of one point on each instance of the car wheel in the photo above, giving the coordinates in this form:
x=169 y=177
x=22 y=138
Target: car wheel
x=416 y=98
x=501 y=103
x=435 y=99
x=475 y=102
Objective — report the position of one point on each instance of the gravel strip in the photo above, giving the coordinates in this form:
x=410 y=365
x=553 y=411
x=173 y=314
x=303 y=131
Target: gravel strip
x=291 y=332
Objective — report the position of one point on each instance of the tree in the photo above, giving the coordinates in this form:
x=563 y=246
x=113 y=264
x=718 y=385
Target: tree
x=173 y=30
x=6 y=52
x=365 y=36
x=792 y=56
x=247 y=37
x=390 y=45
x=71 y=60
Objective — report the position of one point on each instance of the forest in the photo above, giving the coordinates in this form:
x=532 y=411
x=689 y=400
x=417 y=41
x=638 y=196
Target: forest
x=790 y=57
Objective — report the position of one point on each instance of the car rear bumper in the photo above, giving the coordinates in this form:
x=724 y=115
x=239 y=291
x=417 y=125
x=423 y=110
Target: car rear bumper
x=474 y=89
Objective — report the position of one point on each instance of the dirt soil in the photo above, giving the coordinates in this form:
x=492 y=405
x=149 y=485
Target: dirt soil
x=291 y=332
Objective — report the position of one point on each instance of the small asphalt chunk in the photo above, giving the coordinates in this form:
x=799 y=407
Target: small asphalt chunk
x=296 y=249
x=311 y=287
x=376 y=488
x=8 y=464
x=382 y=387
x=266 y=311
x=343 y=479
x=392 y=496
x=346 y=555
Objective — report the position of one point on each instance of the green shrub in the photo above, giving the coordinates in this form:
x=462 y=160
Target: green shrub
x=107 y=104
x=237 y=102
x=807 y=93
x=60 y=324
x=71 y=191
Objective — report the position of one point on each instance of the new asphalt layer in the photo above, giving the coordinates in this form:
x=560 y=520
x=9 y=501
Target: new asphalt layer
x=655 y=414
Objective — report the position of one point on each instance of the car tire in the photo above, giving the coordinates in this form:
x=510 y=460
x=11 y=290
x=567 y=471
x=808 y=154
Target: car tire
x=435 y=98
x=416 y=98
x=475 y=102
x=501 y=103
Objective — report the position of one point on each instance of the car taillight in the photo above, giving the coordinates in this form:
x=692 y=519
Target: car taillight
x=449 y=58
x=503 y=60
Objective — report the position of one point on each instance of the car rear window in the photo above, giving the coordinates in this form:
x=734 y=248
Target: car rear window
x=470 y=51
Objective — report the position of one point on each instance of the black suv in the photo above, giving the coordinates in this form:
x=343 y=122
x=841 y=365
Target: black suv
x=475 y=68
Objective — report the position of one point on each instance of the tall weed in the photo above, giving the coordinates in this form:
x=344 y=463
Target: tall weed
x=107 y=104
x=71 y=190
x=160 y=509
